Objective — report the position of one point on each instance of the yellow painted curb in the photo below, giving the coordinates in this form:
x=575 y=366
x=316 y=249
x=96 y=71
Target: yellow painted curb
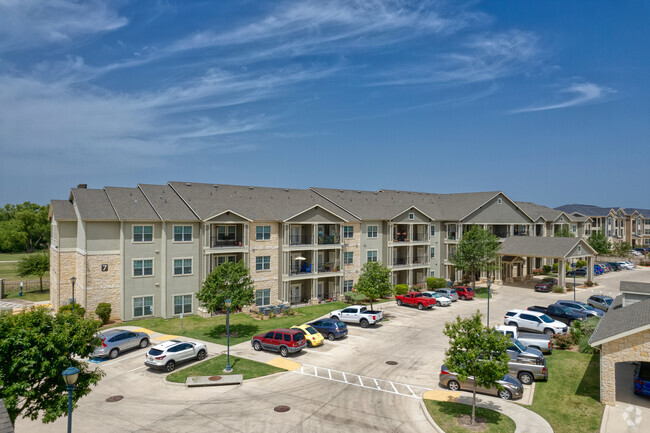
x=166 y=337
x=441 y=395
x=281 y=362
x=145 y=330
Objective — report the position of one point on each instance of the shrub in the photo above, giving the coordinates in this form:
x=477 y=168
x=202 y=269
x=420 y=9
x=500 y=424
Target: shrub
x=569 y=287
x=581 y=264
x=576 y=331
x=538 y=271
x=436 y=283
x=547 y=269
x=562 y=342
x=289 y=312
x=401 y=289
x=271 y=315
x=584 y=347
x=417 y=287
x=590 y=283
x=557 y=289
x=78 y=309
x=644 y=263
x=555 y=265
x=103 y=311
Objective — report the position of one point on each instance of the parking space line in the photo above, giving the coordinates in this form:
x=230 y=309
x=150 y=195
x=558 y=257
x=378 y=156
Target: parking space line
x=123 y=358
x=138 y=368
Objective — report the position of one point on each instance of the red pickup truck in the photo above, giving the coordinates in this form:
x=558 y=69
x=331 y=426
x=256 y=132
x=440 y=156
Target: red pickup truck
x=416 y=299
x=464 y=292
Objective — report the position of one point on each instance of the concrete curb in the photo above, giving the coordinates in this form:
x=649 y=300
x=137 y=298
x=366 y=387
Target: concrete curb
x=603 y=423
x=429 y=418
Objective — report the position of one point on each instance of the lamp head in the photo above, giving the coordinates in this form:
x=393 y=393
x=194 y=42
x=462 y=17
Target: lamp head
x=73 y=280
x=70 y=375
x=489 y=283
x=228 y=302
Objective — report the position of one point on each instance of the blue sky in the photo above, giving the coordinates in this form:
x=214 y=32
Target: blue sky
x=547 y=101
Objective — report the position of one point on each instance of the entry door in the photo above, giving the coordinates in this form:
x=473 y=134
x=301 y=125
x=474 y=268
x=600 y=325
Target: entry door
x=320 y=289
x=295 y=290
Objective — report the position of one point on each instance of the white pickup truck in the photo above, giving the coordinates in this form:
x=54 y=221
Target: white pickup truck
x=540 y=342
x=357 y=314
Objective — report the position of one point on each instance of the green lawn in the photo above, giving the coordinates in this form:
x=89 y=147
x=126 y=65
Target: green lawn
x=569 y=400
x=242 y=326
x=482 y=293
x=30 y=296
x=9 y=271
x=12 y=256
x=215 y=367
x=446 y=412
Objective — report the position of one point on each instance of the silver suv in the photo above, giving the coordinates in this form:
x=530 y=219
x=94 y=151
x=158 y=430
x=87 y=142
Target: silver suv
x=166 y=355
x=508 y=387
x=116 y=341
x=534 y=321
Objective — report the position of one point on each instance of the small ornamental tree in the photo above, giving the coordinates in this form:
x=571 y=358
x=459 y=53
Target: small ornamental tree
x=227 y=281
x=35 y=347
x=374 y=281
x=436 y=283
x=477 y=251
x=564 y=232
x=599 y=242
x=621 y=249
x=477 y=351
x=34 y=264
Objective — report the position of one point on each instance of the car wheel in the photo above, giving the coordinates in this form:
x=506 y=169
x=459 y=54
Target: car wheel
x=438 y=303
x=364 y=323
x=453 y=385
x=549 y=332
x=309 y=343
x=399 y=302
x=144 y=342
x=331 y=336
x=335 y=317
x=201 y=355
x=113 y=353
x=170 y=366
x=570 y=323
x=284 y=352
x=505 y=394
x=463 y=298
x=257 y=346
x=420 y=307
x=513 y=324
x=525 y=378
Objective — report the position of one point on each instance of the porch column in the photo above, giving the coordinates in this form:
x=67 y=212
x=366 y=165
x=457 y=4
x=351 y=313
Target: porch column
x=314 y=289
x=409 y=232
x=561 y=272
x=590 y=268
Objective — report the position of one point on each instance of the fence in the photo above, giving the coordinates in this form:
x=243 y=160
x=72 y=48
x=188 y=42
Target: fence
x=28 y=286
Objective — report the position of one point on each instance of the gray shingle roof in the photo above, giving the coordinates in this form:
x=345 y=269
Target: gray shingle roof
x=585 y=209
x=130 y=204
x=634 y=287
x=386 y=204
x=167 y=203
x=5 y=421
x=536 y=210
x=644 y=212
x=62 y=210
x=255 y=203
x=539 y=246
x=93 y=205
x=620 y=320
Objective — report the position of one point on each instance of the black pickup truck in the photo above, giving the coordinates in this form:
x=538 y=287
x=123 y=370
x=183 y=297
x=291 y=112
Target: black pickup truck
x=559 y=312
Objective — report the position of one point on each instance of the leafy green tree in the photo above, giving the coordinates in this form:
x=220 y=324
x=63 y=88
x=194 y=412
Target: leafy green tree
x=227 y=281
x=34 y=264
x=24 y=227
x=621 y=249
x=564 y=232
x=477 y=351
x=599 y=242
x=35 y=348
x=374 y=281
x=477 y=250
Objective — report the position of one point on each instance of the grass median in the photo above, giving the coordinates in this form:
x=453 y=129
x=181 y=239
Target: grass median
x=242 y=326
x=215 y=366
x=446 y=415
x=569 y=400
x=482 y=293
x=36 y=296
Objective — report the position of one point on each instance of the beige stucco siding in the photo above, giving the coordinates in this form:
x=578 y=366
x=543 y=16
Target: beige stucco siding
x=498 y=213
x=102 y=236
x=181 y=284
x=632 y=348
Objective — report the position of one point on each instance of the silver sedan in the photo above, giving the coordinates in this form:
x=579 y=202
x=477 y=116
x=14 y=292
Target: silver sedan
x=116 y=341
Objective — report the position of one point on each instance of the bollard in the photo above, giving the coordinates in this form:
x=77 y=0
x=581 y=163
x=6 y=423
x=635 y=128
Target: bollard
x=2 y=288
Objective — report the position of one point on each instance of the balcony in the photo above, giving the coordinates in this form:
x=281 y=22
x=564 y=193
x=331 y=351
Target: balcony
x=305 y=268
x=420 y=236
x=300 y=240
x=329 y=239
x=400 y=261
x=221 y=242
x=333 y=266
x=329 y=234
x=421 y=260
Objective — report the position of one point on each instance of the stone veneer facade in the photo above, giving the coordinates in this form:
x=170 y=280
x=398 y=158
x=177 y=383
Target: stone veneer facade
x=353 y=244
x=633 y=348
x=103 y=286
x=266 y=279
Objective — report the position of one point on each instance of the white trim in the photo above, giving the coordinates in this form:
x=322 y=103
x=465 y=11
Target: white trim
x=314 y=206
x=491 y=198
x=376 y=231
x=191 y=295
x=183 y=274
x=263 y=225
x=153 y=305
x=408 y=209
x=174 y=241
x=262 y=270
x=153 y=237
x=621 y=335
x=153 y=266
x=376 y=255
x=207 y=220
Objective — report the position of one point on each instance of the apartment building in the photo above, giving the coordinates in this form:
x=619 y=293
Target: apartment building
x=146 y=250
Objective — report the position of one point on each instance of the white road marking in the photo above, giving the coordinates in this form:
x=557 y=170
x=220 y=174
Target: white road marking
x=122 y=359
x=138 y=368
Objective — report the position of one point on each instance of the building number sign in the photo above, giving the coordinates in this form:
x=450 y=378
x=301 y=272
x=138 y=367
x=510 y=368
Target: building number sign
x=104 y=267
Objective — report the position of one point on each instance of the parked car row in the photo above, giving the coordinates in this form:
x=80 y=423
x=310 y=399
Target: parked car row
x=439 y=297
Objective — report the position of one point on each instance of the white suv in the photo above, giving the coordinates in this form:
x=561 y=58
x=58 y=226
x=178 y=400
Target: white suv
x=166 y=355
x=534 y=321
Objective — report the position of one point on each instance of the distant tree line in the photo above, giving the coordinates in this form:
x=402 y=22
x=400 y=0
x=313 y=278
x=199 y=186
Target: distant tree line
x=24 y=227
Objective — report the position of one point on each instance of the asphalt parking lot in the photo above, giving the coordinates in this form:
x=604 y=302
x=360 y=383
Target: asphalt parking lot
x=412 y=338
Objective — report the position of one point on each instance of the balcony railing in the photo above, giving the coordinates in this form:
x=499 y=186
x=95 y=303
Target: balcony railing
x=225 y=243
x=419 y=237
x=329 y=239
x=305 y=268
x=420 y=260
x=333 y=266
x=300 y=240
x=400 y=237
x=400 y=261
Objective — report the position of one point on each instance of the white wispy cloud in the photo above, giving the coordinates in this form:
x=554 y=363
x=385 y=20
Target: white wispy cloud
x=573 y=95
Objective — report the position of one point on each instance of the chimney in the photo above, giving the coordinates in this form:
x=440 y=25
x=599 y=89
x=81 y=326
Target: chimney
x=83 y=186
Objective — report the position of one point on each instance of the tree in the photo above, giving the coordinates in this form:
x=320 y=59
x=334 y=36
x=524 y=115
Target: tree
x=599 y=242
x=374 y=281
x=621 y=249
x=35 y=348
x=229 y=280
x=564 y=232
x=477 y=250
x=34 y=264
x=477 y=351
x=24 y=227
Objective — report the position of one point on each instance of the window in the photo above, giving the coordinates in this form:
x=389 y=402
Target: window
x=182 y=266
x=142 y=233
x=142 y=306
x=433 y=230
x=142 y=267
x=347 y=285
x=574 y=228
x=348 y=258
x=262 y=233
x=226 y=233
x=433 y=252
x=348 y=232
x=372 y=255
x=499 y=200
x=647 y=231
x=432 y=273
x=262 y=297
x=182 y=304
x=262 y=263
x=182 y=233
x=372 y=231
x=223 y=259
x=411 y=216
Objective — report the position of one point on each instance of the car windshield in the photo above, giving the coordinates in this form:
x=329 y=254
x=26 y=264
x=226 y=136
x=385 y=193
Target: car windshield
x=566 y=310
x=587 y=307
x=546 y=319
x=608 y=301
x=519 y=345
x=311 y=330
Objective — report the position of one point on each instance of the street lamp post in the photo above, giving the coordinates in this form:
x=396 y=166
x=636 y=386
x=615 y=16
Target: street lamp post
x=575 y=268
x=228 y=304
x=489 y=284
x=70 y=376
x=73 y=280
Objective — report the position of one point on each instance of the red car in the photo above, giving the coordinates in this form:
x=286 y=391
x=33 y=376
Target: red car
x=464 y=292
x=544 y=286
x=281 y=340
x=416 y=299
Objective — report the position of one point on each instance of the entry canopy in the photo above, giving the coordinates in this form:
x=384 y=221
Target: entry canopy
x=545 y=247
